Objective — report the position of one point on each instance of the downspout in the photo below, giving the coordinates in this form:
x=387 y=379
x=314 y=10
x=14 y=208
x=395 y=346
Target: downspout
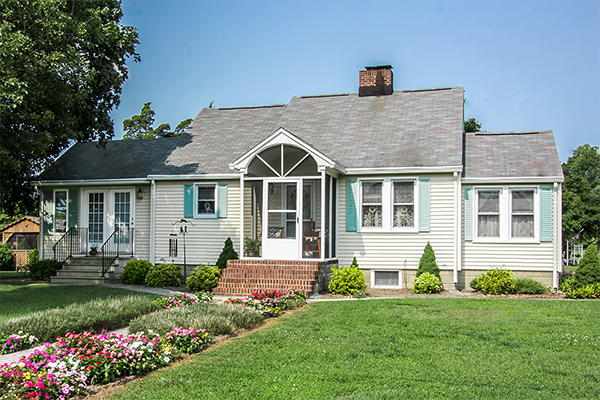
x=41 y=235
x=152 y=221
x=242 y=214
x=457 y=227
x=557 y=234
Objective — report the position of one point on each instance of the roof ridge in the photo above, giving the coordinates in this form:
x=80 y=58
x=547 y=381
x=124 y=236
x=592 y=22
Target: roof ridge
x=250 y=107
x=312 y=96
x=428 y=89
x=484 y=133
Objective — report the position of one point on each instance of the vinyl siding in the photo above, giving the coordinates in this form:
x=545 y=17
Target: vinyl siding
x=400 y=250
x=142 y=224
x=205 y=240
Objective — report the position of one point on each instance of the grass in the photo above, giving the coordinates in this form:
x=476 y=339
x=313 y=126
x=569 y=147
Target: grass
x=21 y=298
x=4 y=275
x=401 y=348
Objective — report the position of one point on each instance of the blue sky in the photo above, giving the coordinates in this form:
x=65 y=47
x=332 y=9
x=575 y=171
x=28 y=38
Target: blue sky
x=525 y=65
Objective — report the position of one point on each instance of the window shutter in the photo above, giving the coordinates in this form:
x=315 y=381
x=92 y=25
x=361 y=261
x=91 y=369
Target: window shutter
x=48 y=212
x=424 y=204
x=222 y=200
x=469 y=214
x=188 y=201
x=546 y=214
x=73 y=208
x=351 y=215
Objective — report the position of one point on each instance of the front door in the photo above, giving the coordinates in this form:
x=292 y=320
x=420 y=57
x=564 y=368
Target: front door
x=282 y=220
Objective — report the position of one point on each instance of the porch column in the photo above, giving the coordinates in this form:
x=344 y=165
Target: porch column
x=322 y=171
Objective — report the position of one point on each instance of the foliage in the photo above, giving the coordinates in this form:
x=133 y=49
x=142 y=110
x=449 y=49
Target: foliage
x=427 y=283
x=529 y=286
x=591 y=291
x=494 y=281
x=44 y=269
x=163 y=275
x=228 y=253
x=354 y=262
x=62 y=66
x=34 y=257
x=135 y=272
x=428 y=264
x=581 y=194
x=566 y=285
x=187 y=341
x=140 y=126
x=205 y=297
x=347 y=280
x=203 y=278
x=251 y=244
x=6 y=258
x=10 y=343
x=588 y=271
x=94 y=315
x=272 y=302
x=472 y=125
x=179 y=300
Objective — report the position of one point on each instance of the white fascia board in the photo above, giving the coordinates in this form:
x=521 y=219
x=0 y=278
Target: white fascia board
x=517 y=179
x=193 y=177
x=93 y=182
x=403 y=170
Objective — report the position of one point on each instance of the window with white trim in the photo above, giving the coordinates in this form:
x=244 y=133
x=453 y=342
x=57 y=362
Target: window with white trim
x=60 y=211
x=404 y=203
x=522 y=224
x=206 y=200
x=372 y=204
x=386 y=279
x=388 y=204
x=488 y=213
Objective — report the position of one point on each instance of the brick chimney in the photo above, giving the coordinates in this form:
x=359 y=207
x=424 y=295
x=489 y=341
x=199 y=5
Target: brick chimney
x=376 y=81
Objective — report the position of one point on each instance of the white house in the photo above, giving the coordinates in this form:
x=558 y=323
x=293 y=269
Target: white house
x=373 y=175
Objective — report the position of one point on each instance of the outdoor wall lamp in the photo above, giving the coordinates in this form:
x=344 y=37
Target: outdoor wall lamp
x=140 y=194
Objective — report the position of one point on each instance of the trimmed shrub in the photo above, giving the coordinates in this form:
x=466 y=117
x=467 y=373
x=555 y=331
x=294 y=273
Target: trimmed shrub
x=34 y=257
x=228 y=253
x=495 y=281
x=43 y=270
x=203 y=278
x=566 y=285
x=427 y=283
x=354 y=262
x=347 y=280
x=135 y=272
x=473 y=283
x=163 y=275
x=591 y=291
x=428 y=264
x=588 y=271
x=529 y=286
x=6 y=258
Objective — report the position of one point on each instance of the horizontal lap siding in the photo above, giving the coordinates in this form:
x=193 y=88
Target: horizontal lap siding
x=142 y=225
x=393 y=250
x=205 y=240
x=518 y=256
x=49 y=241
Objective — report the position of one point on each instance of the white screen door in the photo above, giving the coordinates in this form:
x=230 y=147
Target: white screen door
x=282 y=226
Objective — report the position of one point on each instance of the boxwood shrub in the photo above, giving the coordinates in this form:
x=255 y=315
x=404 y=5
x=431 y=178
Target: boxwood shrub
x=348 y=281
x=135 y=272
x=494 y=281
x=43 y=269
x=529 y=286
x=163 y=275
x=427 y=283
x=203 y=278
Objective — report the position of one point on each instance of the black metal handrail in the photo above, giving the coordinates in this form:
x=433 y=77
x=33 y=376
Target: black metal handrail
x=116 y=245
x=74 y=241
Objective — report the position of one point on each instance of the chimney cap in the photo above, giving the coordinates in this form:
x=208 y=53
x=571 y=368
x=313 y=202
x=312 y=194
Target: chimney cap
x=368 y=68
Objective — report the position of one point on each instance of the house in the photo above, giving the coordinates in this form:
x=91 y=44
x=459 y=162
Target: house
x=21 y=236
x=373 y=175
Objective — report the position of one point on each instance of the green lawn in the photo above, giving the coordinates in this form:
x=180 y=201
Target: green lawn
x=11 y=275
x=20 y=298
x=401 y=349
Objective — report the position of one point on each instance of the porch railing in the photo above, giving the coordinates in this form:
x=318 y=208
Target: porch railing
x=120 y=242
x=74 y=241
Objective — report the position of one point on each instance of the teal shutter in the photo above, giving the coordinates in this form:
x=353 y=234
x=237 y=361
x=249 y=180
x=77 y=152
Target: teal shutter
x=351 y=214
x=188 y=201
x=48 y=212
x=222 y=200
x=469 y=214
x=424 y=204
x=546 y=214
x=73 y=208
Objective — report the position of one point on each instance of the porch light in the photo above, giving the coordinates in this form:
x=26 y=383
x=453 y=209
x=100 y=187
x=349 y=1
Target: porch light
x=140 y=194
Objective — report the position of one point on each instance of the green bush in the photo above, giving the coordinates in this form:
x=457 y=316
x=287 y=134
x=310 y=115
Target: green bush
x=566 y=285
x=428 y=264
x=163 y=275
x=203 y=278
x=228 y=253
x=6 y=259
x=427 y=283
x=347 y=280
x=529 y=286
x=44 y=269
x=588 y=271
x=34 y=257
x=495 y=281
x=473 y=284
x=591 y=291
x=135 y=272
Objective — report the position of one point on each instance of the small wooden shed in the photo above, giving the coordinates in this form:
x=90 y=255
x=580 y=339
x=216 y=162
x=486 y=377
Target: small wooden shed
x=22 y=238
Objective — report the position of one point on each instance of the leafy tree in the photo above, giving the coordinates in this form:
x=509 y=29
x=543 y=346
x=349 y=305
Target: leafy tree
x=472 y=125
x=588 y=271
x=428 y=264
x=62 y=65
x=228 y=253
x=140 y=126
x=581 y=194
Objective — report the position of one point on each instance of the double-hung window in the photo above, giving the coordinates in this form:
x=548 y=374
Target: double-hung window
x=404 y=204
x=372 y=204
x=488 y=213
x=388 y=205
x=522 y=218
x=60 y=211
x=206 y=201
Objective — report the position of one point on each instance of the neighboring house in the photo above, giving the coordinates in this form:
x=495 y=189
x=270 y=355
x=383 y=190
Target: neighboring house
x=21 y=236
x=373 y=175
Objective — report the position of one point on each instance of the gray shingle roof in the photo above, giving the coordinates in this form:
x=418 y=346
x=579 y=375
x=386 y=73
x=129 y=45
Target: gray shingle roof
x=511 y=154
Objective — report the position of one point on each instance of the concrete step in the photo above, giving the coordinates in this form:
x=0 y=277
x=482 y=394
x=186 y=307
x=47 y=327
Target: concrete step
x=76 y=281
x=81 y=267
x=79 y=274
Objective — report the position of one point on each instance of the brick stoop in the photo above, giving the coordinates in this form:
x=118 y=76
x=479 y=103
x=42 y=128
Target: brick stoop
x=242 y=277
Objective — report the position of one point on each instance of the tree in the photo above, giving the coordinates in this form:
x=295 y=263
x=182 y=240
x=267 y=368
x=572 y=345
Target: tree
x=472 y=125
x=140 y=126
x=588 y=271
x=62 y=65
x=427 y=263
x=228 y=253
x=581 y=194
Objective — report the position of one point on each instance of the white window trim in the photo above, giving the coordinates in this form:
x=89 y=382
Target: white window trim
x=373 y=271
x=215 y=186
x=54 y=232
x=387 y=206
x=505 y=205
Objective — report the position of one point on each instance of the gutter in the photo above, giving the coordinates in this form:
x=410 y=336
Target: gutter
x=516 y=179
x=152 y=221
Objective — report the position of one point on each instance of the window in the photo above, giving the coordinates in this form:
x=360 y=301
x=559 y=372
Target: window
x=385 y=279
x=388 y=204
x=404 y=204
x=60 y=211
x=206 y=201
x=488 y=213
x=522 y=214
x=372 y=204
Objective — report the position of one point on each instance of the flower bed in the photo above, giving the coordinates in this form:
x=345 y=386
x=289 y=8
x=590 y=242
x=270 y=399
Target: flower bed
x=16 y=342
x=64 y=368
x=179 y=300
x=272 y=302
